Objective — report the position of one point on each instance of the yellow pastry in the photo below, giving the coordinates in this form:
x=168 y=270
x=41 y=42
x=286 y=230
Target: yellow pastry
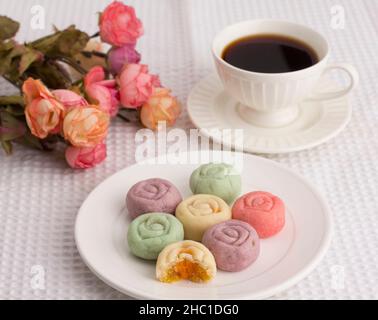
x=185 y=260
x=199 y=212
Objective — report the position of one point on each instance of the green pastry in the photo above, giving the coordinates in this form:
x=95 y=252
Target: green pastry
x=150 y=233
x=219 y=179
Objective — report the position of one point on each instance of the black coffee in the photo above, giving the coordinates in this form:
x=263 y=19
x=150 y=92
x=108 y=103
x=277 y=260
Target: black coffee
x=269 y=53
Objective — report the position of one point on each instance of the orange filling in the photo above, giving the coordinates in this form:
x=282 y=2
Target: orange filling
x=187 y=270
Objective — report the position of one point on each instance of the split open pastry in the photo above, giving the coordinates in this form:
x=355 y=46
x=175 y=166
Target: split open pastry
x=185 y=260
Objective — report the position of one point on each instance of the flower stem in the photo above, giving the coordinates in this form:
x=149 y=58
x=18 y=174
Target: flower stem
x=99 y=54
x=121 y=116
x=12 y=100
x=95 y=35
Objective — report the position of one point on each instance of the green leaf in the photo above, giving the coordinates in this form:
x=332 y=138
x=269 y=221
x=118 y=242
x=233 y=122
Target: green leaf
x=15 y=59
x=16 y=100
x=6 y=58
x=8 y=28
x=50 y=74
x=66 y=42
x=45 y=43
x=7 y=45
x=7 y=146
x=15 y=110
x=27 y=58
x=10 y=127
x=71 y=42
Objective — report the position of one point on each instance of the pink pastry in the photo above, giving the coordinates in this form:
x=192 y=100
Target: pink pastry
x=234 y=244
x=262 y=210
x=152 y=195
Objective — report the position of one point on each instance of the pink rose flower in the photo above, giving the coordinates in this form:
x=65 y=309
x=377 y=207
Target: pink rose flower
x=119 y=56
x=82 y=158
x=85 y=126
x=136 y=85
x=100 y=91
x=161 y=106
x=43 y=111
x=69 y=98
x=119 y=25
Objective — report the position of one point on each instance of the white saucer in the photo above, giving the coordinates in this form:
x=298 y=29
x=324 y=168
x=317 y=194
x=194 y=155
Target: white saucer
x=210 y=107
x=285 y=258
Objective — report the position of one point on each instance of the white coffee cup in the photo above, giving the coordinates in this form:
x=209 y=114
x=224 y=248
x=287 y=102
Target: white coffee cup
x=272 y=99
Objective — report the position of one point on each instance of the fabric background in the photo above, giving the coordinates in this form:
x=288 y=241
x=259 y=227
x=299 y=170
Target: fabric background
x=40 y=196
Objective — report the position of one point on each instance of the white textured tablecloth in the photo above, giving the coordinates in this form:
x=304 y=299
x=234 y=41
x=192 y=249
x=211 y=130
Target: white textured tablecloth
x=40 y=196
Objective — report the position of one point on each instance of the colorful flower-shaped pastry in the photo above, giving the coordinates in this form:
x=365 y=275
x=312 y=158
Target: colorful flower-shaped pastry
x=188 y=260
x=234 y=244
x=262 y=210
x=219 y=179
x=149 y=233
x=152 y=195
x=199 y=212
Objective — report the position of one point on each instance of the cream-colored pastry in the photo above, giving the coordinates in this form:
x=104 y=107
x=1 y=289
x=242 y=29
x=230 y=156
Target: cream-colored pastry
x=199 y=212
x=185 y=260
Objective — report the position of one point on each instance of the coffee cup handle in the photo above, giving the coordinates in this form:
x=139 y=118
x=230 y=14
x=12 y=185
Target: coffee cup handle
x=353 y=81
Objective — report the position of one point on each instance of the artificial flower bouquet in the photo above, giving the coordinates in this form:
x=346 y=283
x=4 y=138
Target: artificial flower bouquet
x=70 y=89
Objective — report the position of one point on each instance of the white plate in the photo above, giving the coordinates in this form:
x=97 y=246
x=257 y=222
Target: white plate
x=285 y=259
x=210 y=107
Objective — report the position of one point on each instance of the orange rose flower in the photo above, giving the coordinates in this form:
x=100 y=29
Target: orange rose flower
x=43 y=111
x=85 y=126
x=161 y=106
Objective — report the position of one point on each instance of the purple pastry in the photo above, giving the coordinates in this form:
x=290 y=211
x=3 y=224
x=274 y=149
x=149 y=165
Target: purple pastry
x=234 y=244
x=152 y=195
